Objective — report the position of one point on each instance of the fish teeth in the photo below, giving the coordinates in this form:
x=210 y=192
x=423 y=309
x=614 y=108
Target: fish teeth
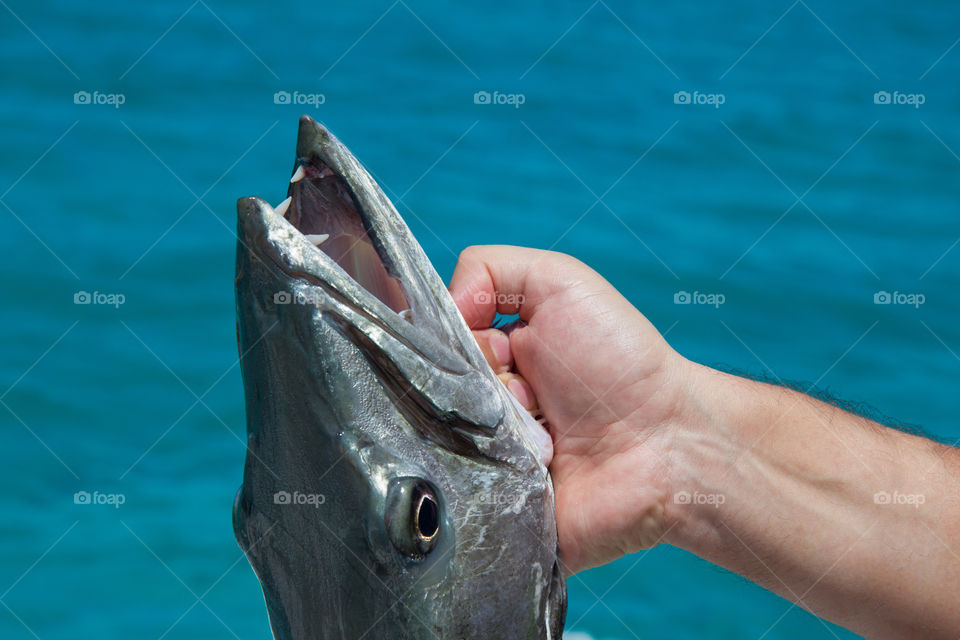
x=298 y=174
x=281 y=208
x=317 y=238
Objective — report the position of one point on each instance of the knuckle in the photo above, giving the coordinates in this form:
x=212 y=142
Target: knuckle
x=566 y=261
x=470 y=254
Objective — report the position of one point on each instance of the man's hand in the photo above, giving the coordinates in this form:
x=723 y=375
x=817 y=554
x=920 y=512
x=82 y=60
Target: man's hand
x=605 y=380
x=847 y=518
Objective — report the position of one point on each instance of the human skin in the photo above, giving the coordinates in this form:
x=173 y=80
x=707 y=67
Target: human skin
x=854 y=521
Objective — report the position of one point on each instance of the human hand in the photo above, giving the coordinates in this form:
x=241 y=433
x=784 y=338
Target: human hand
x=606 y=382
x=632 y=421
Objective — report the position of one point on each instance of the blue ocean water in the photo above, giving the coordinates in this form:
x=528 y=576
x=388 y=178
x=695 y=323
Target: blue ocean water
x=797 y=159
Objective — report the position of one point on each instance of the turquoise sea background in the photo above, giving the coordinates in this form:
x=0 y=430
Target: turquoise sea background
x=798 y=199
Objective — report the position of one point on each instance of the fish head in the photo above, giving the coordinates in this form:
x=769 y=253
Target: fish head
x=392 y=487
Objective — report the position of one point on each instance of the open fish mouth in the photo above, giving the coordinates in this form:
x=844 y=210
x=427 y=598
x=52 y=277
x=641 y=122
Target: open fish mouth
x=343 y=235
x=322 y=206
x=336 y=244
x=340 y=246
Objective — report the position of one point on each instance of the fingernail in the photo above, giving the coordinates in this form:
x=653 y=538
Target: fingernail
x=523 y=393
x=500 y=345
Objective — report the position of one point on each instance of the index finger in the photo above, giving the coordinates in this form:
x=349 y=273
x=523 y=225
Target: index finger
x=491 y=279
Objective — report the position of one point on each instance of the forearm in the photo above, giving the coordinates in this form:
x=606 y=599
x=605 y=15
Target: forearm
x=845 y=517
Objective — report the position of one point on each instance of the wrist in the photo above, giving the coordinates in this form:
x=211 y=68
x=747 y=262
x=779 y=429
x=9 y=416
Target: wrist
x=710 y=436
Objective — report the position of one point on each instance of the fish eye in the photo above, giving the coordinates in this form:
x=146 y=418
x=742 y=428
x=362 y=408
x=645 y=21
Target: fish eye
x=413 y=517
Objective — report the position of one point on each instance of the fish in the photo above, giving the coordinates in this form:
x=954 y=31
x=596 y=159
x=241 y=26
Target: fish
x=392 y=487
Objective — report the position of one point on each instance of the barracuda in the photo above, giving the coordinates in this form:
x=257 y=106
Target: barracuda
x=392 y=487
